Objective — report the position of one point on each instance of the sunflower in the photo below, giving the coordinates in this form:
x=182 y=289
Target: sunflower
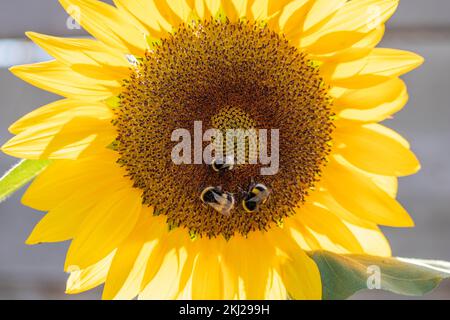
x=135 y=219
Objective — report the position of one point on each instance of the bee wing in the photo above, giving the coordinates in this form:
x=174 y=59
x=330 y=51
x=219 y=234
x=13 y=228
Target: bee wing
x=225 y=210
x=223 y=205
x=220 y=199
x=260 y=197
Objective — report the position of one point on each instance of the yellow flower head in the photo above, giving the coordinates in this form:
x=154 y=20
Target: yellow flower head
x=148 y=227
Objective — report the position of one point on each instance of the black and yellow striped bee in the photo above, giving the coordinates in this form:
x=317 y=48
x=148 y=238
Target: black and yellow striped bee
x=223 y=165
x=255 y=197
x=222 y=202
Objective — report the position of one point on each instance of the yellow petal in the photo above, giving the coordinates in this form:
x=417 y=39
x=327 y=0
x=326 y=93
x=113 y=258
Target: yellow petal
x=181 y=8
x=372 y=240
x=391 y=62
x=207 y=278
x=367 y=234
x=326 y=223
x=360 y=16
x=292 y=18
x=275 y=6
x=127 y=282
x=334 y=42
x=213 y=6
x=260 y=9
x=371 y=97
x=107 y=24
x=339 y=44
x=276 y=289
x=187 y=271
x=105 y=228
x=388 y=184
x=164 y=284
x=199 y=7
x=348 y=69
x=356 y=51
x=324 y=200
x=165 y=266
x=79 y=51
x=60 y=79
x=84 y=280
x=379 y=64
x=379 y=113
x=320 y=10
x=390 y=133
x=375 y=152
x=253 y=267
x=328 y=245
x=302 y=235
x=173 y=13
x=58 y=140
x=299 y=273
x=230 y=10
x=361 y=196
x=102 y=73
x=276 y=13
x=62 y=178
x=359 y=81
x=301 y=277
x=61 y=112
x=146 y=12
x=128 y=266
x=63 y=221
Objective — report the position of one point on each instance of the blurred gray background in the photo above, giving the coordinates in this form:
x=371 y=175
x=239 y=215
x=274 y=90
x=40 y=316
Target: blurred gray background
x=420 y=26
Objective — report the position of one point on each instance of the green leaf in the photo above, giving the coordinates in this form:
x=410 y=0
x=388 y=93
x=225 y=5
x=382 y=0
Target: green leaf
x=344 y=275
x=19 y=175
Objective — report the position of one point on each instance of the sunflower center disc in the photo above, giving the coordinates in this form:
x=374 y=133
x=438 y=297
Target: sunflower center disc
x=233 y=118
x=229 y=76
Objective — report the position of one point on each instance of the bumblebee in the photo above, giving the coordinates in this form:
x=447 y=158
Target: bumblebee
x=257 y=196
x=222 y=202
x=223 y=165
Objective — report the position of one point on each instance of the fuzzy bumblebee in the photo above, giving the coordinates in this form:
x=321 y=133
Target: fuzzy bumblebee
x=257 y=196
x=219 y=200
